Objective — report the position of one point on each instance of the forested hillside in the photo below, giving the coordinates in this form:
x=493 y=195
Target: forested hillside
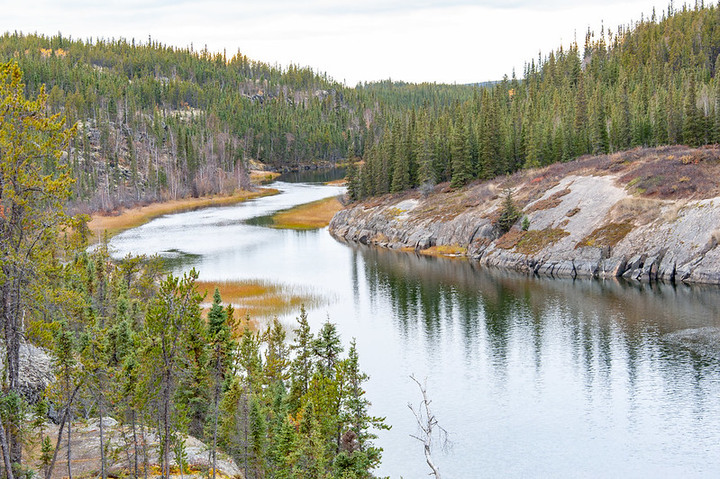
x=651 y=83
x=157 y=122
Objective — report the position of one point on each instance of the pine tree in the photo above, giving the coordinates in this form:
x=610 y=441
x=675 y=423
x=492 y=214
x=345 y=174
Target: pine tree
x=461 y=164
x=692 y=125
x=302 y=365
x=34 y=184
x=357 y=456
x=327 y=348
x=600 y=134
x=221 y=349
x=509 y=213
x=171 y=318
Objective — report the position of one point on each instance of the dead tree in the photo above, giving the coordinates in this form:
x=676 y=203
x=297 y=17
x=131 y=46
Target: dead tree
x=428 y=427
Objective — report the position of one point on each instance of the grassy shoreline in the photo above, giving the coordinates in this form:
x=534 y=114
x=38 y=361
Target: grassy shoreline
x=314 y=215
x=256 y=301
x=134 y=217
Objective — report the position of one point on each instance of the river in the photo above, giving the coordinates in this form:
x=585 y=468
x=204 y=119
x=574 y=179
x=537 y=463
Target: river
x=531 y=377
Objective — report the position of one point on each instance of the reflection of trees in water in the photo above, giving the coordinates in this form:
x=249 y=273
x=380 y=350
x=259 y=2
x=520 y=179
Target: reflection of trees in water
x=605 y=324
x=320 y=175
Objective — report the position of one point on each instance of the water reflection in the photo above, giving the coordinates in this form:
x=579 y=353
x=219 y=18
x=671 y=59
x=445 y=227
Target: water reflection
x=320 y=175
x=431 y=288
x=585 y=362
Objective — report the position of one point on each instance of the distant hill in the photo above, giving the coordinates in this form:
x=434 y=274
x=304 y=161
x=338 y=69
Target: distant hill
x=157 y=122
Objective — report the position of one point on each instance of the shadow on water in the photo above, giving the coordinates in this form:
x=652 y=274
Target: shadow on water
x=265 y=220
x=176 y=260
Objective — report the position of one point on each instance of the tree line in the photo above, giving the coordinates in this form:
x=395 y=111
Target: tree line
x=651 y=83
x=157 y=122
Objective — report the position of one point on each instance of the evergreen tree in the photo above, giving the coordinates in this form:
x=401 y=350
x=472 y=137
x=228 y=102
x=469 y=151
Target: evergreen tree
x=172 y=317
x=461 y=164
x=34 y=184
x=692 y=125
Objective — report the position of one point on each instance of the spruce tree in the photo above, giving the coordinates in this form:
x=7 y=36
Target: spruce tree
x=461 y=165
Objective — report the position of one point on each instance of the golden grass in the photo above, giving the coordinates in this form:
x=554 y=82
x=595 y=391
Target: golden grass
x=261 y=177
x=260 y=299
x=308 y=216
x=340 y=182
x=134 y=217
x=607 y=235
x=445 y=250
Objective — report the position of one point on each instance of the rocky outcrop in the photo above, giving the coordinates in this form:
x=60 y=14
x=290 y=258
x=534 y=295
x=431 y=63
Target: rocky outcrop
x=35 y=371
x=121 y=460
x=580 y=225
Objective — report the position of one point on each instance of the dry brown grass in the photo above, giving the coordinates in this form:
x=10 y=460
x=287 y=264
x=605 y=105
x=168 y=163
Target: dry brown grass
x=308 y=216
x=548 y=203
x=445 y=250
x=261 y=177
x=674 y=172
x=666 y=172
x=134 y=217
x=608 y=235
x=341 y=182
x=535 y=240
x=635 y=210
x=259 y=299
x=530 y=242
x=572 y=212
x=510 y=239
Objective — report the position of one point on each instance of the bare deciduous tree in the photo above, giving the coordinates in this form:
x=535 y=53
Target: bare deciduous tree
x=429 y=429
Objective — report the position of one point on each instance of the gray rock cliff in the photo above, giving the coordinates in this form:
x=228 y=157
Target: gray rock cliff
x=582 y=226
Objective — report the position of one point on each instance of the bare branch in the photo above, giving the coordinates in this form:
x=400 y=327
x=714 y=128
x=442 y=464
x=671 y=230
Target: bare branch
x=428 y=426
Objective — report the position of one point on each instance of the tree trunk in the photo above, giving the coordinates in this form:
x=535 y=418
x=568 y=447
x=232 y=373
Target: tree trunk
x=135 y=445
x=215 y=426
x=166 y=426
x=127 y=445
x=103 y=459
x=69 y=448
x=48 y=473
x=145 y=453
x=11 y=314
x=5 y=453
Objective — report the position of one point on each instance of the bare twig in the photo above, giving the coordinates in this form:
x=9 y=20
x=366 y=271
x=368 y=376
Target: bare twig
x=428 y=427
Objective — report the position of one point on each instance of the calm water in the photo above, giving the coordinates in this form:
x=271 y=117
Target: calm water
x=531 y=377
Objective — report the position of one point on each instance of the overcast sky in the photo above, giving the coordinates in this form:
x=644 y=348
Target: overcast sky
x=451 y=41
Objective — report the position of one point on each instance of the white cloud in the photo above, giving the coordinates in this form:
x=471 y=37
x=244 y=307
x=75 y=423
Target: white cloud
x=451 y=41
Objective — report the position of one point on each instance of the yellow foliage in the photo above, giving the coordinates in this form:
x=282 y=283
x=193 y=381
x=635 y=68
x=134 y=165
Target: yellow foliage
x=262 y=299
x=308 y=216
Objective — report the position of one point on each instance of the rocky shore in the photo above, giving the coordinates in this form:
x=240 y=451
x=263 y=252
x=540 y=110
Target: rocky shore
x=645 y=215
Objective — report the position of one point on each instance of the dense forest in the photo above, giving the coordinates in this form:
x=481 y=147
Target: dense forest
x=129 y=342
x=652 y=83
x=157 y=122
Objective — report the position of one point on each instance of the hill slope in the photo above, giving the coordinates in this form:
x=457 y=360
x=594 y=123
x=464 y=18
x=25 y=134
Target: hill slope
x=645 y=214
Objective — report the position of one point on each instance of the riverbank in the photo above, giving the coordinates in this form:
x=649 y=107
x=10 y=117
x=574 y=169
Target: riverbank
x=111 y=225
x=314 y=215
x=645 y=214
